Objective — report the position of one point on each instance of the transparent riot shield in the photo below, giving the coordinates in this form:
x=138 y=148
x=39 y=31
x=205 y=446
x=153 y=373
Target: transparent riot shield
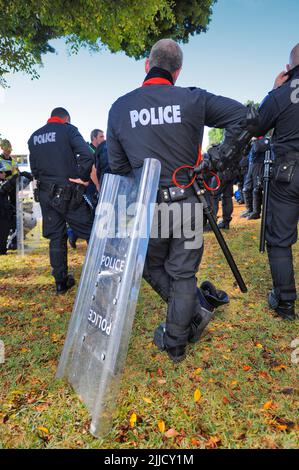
x=96 y=346
x=28 y=217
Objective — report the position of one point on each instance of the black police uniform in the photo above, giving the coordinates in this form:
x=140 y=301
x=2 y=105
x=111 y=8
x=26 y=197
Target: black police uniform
x=166 y=122
x=253 y=182
x=58 y=152
x=7 y=199
x=280 y=110
x=101 y=161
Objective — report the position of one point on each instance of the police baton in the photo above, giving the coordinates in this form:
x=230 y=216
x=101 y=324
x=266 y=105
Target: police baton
x=266 y=186
x=200 y=193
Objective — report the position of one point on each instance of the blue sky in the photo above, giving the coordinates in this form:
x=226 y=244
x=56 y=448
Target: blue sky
x=246 y=46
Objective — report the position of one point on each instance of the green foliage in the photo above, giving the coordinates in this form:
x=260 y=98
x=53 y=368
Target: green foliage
x=252 y=103
x=215 y=136
x=131 y=26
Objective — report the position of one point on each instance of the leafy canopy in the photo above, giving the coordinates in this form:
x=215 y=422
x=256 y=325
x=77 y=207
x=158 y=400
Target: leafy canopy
x=132 y=26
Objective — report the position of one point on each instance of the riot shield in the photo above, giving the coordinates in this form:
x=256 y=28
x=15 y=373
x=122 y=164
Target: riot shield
x=98 y=336
x=28 y=217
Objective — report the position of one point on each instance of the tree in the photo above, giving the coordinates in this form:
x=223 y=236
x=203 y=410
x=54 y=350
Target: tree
x=215 y=136
x=131 y=26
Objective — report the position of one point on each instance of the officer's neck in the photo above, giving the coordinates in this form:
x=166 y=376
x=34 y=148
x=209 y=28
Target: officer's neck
x=159 y=72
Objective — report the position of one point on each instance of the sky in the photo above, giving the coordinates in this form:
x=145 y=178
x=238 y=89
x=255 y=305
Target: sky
x=247 y=44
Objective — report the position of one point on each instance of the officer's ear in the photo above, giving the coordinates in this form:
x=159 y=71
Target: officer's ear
x=288 y=67
x=146 y=65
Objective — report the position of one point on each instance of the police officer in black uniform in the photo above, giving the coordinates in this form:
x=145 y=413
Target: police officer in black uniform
x=280 y=111
x=166 y=122
x=61 y=162
x=8 y=175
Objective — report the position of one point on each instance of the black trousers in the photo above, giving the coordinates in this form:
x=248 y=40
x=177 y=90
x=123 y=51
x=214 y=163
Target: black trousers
x=227 y=202
x=170 y=268
x=282 y=233
x=6 y=218
x=253 y=178
x=54 y=228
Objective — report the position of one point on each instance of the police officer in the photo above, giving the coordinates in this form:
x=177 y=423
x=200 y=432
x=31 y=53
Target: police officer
x=166 y=122
x=253 y=185
x=61 y=162
x=8 y=175
x=280 y=111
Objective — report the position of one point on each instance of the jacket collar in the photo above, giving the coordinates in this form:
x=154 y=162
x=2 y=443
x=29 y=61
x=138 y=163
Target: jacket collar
x=158 y=76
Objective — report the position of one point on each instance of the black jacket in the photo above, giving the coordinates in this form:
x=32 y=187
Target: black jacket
x=59 y=152
x=165 y=122
x=280 y=110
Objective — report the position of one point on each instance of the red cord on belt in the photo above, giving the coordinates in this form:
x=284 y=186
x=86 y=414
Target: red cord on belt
x=199 y=158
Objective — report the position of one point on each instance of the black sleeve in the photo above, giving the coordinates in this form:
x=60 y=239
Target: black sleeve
x=82 y=152
x=117 y=158
x=268 y=113
x=224 y=113
x=32 y=162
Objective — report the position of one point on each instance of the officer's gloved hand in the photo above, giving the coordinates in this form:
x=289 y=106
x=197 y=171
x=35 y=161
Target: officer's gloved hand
x=212 y=160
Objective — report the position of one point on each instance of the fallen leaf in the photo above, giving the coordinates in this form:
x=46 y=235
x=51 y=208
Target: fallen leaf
x=225 y=400
x=268 y=405
x=161 y=381
x=43 y=429
x=195 y=442
x=233 y=383
x=171 y=433
x=161 y=426
x=197 y=395
x=264 y=375
x=247 y=368
x=280 y=367
x=198 y=371
x=259 y=346
x=133 y=420
x=147 y=400
x=212 y=442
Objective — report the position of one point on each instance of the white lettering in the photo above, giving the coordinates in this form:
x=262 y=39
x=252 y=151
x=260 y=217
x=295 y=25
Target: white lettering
x=134 y=117
x=154 y=120
x=168 y=115
x=176 y=110
x=144 y=117
x=44 y=138
x=154 y=116
x=295 y=93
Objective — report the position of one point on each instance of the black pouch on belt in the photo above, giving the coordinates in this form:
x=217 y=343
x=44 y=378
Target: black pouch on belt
x=60 y=197
x=77 y=196
x=285 y=171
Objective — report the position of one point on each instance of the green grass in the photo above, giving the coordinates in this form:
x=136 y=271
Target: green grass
x=242 y=366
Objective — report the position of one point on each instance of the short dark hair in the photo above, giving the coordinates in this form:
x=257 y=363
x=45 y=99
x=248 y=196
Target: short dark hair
x=167 y=55
x=60 y=112
x=4 y=144
x=94 y=134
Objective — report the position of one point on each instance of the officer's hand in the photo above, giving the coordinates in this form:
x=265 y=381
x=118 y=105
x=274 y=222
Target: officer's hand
x=2 y=176
x=79 y=181
x=280 y=79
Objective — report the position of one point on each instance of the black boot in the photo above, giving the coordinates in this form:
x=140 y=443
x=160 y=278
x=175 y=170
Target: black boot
x=257 y=206
x=65 y=285
x=177 y=353
x=209 y=299
x=284 y=309
x=248 y=203
x=224 y=224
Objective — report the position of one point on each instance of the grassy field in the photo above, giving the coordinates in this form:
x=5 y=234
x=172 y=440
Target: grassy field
x=238 y=387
